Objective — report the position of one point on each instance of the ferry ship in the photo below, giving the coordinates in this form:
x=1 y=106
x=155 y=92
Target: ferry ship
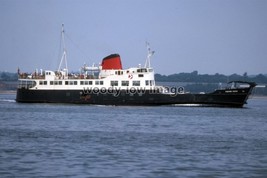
x=110 y=84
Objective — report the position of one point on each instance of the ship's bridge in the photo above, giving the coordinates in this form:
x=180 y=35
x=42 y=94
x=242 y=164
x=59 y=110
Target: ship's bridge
x=128 y=73
x=50 y=75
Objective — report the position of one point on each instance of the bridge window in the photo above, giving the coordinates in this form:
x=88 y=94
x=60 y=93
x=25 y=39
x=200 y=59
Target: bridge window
x=141 y=70
x=119 y=72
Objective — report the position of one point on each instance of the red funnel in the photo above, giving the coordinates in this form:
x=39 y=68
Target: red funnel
x=112 y=61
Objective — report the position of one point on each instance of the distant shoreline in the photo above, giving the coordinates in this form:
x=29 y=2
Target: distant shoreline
x=7 y=91
x=257 y=97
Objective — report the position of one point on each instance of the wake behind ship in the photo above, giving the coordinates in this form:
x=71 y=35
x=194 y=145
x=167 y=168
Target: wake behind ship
x=110 y=84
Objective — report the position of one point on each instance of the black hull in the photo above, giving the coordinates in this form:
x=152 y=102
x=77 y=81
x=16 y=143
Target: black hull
x=220 y=98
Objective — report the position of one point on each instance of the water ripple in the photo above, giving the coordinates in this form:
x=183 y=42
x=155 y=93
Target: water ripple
x=48 y=140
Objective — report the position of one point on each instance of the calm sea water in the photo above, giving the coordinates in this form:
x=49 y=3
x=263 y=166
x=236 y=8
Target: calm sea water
x=56 y=140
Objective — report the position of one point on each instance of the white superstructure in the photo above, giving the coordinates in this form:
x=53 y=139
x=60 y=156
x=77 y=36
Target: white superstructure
x=122 y=79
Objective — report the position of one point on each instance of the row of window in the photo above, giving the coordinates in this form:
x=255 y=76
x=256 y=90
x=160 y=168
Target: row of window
x=124 y=83
x=60 y=82
x=112 y=83
x=141 y=70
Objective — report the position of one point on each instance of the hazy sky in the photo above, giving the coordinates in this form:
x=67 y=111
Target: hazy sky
x=210 y=36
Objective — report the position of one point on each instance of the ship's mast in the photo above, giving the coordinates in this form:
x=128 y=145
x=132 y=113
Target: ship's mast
x=149 y=55
x=64 y=55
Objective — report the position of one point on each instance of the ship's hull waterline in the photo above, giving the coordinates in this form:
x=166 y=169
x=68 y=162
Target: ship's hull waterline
x=218 y=98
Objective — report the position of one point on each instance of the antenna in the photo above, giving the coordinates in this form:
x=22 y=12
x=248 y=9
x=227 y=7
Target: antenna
x=149 y=55
x=64 y=55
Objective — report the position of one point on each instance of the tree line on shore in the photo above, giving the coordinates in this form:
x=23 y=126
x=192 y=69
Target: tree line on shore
x=207 y=83
x=194 y=77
